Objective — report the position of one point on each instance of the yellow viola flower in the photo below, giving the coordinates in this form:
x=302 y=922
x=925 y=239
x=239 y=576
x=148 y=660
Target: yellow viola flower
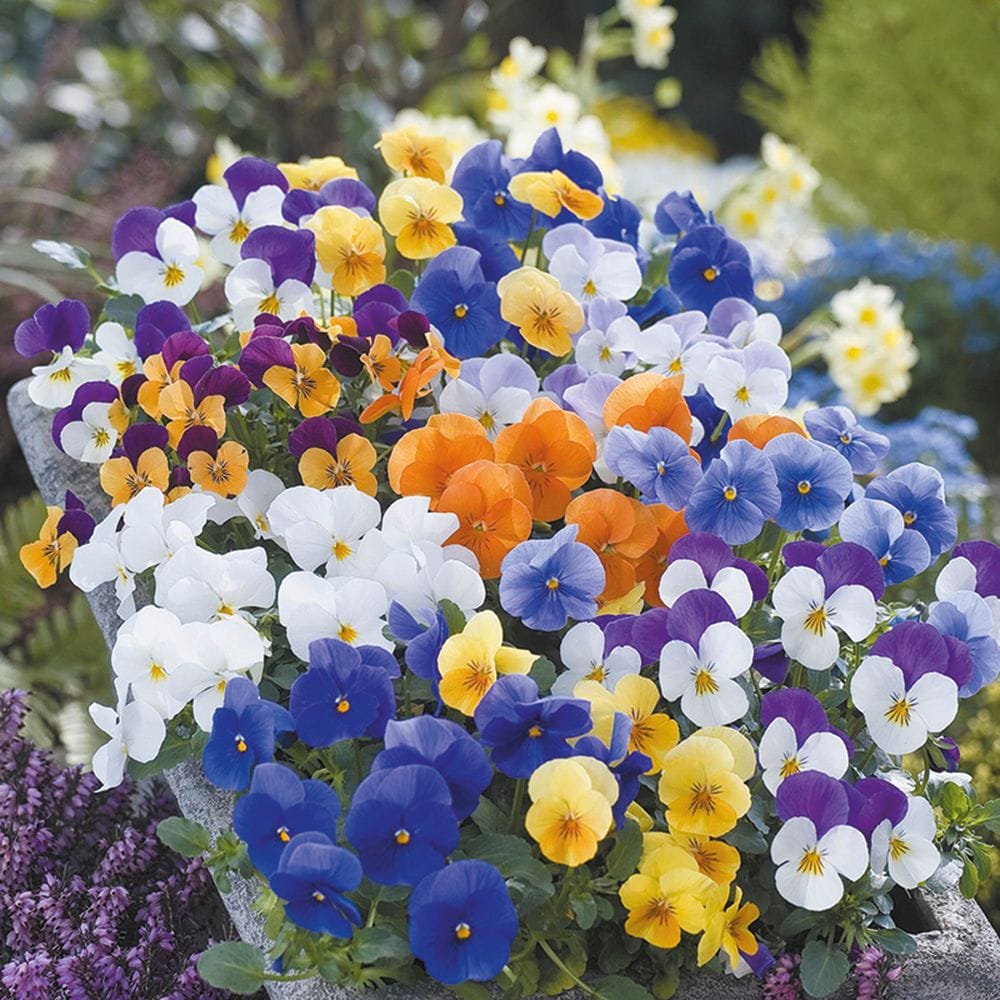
x=224 y=473
x=641 y=817
x=419 y=213
x=701 y=789
x=312 y=174
x=535 y=303
x=550 y=191
x=311 y=386
x=122 y=480
x=470 y=661
x=47 y=557
x=716 y=859
x=570 y=814
x=653 y=733
x=727 y=927
x=178 y=406
x=350 y=248
x=409 y=151
x=744 y=755
x=351 y=465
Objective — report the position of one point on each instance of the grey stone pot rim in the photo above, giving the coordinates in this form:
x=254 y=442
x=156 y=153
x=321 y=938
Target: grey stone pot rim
x=958 y=960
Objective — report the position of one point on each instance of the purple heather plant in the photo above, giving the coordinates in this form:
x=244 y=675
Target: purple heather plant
x=875 y=972
x=781 y=982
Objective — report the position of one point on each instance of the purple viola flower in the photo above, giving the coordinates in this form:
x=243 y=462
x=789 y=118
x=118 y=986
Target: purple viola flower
x=707 y=413
x=973 y=566
x=646 y=632
x=627 y=767
x=771 y=661
x=345 y=192
x=737 y=494
x=524 y=730
x=423 y=641
x=156 y=256
x=678 y=212
x=154 y=323
x=290 y=253
x=658 y=463
x=89 y=392
x=901 y=552
x=545 y=582
x=263 y=353
x=565 y=377
x=917 y=492
x=814 y=481
x=838 y=427
x=871 y=801
x=53 y=327
x=919 y=648
x=482 y=177
x=727 y=314
x=706 y=266
x=139 y=438
x=966 y=617
x=76 y=520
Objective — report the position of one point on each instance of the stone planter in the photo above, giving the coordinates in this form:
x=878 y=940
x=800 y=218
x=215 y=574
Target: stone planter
x=958 y=956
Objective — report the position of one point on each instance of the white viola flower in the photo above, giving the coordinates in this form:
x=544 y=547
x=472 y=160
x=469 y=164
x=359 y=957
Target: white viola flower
x=609 y=341
x=781 y=754
x=101 y=560
x=684 y=575
x=589 y=267
x=155 y=530
x=907 y=849
x=703 y=678
x=749 y=381
x=210 y=655
x=255 y=501
x=410 y=520
x=53 y=385
x=423 y=576
x=522 y=62
x=582 y=654
x=960 y=574
x=117 y=352
x=763 y=327
x=495 y=391
x=352 y=610
x=901 y=714
x=172 y=275
x=653 y=37
x=137 y=731
x=810 y=867
x=867 y=307
x=250 y=290
x=218 y=215
x=323 y=527
x=93 y=437
x=676 y=346
x=811 y=617
x=145 y=655
x=202 y=586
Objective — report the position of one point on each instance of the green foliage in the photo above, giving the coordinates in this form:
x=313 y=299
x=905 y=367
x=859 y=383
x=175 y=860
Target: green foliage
x=886 y=85
x=234 y=966
x=184 y=836
x=823 y=968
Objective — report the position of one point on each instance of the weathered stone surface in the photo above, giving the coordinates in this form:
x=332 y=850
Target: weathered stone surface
x=960 y=961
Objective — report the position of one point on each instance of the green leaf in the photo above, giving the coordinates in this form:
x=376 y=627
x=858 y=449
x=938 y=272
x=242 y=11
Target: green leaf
x=453 y=616
x=489 y=817
x=746 y=839
x=73 y=257
x=797 y=922
x=470 y=991
x=896 y=941
x=953 y=800
x=187 y=838
x=123 y=309
x=234 y=966
x=378 y=944
x=968 y=884
x=623 y=858
x=989 y=816
x=823 y=968
x=511 y=855
x=403 y=281
x=584 y=909
x=543 y=673
x=620 y=988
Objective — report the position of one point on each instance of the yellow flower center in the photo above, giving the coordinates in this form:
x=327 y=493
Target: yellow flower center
x=811 y=863
x=101 y=437
x=899 y=712
x=804 y=487
x=283 y=834
x=534 y=732
x=402 y=837
x=348 y=634
x=605 y=353
x=710 y=273
x=156 y=672
x=486 y=419
x=499 y=199
x=173 y=276
x=703 y=798
x=319 y=897
x=676 y=366
x=597 y=674
x=743 y=395
x=552 y=116
x=884 y=561
x=909 y=518
x=478 y=678
x=343 y=706
x=789 y=766
x=241 y=744
x=897 y=848
x=729 y=493
x=589 y=288
x=845 y=438
x=461 y=311
x=705 y=683
x=61 y=375
x=463 y=931
x=867 y=316
x=341 y=550
x=239 y=232
x=552 y=583
x=269 y=304
x=816 y=621
x=261 y=523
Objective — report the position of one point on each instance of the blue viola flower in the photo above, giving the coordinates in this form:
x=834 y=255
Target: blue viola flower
x=243 y=730
x=279 y=806
x=917 y=492
x=481 y=178
x=53 y=327
x=496 y=259
x=678 y=212
x=627 y=767
x=838 y=427
x=454 y=295
x=966 y=616
x=659 y=305
x=814 y=481
x=737 y=494
x=402 y=824
x=524 y=730
x=706 y=266
x=462 y=922
x=704 y=410
x=444 y=746
x=657 y=462
x=880 y=528
x=423 y=641
x=346 y=692
x=546 y=582
x=619 y=221
x=312 y=879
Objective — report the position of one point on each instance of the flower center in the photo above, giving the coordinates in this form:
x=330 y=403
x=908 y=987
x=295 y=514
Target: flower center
x=283 y=835
x=703 y=798
x=899 y=712
x=239 y=232
x=269 y=304
x=816 y=621
x=743 y=395
x=348 y=634
x=845 y=438
x=61 y=375
x=341 y=550
x=705 y=683
x=552 y=583
x=804 y=486
x=343 y=705
x=789 y=766
x=710 y=273
x=463 y=931
x=101 y=437
x=729 y=493
x=811 y=863
x=534 y=732
x=909 y=518
x=897 y=848
x=156 y=672
x=402 y=837
x=319 y=896
x=241 y=744
x=589 y=288
x=499 y=199
x=597 y=674
x=487 y=420
x=173 y=276
x=676 y=366
x=867 y=316
x=461 y=311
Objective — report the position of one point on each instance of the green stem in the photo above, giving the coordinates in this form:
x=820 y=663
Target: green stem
x=277 y=977
x=515 y=809
x=527 y=239
x=717 y=433
x=373 y=911
x=561 y=966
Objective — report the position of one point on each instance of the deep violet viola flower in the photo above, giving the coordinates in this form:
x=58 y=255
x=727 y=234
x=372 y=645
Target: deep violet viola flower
x=678 y=212
x=871 y=801
x=973 y=566
x=901 y=552
x=657 y=462
x=76 y=520
x=838 y=427
x=627 y=767
x=706 y=266
x=462 y=922
x=917 y=492
x=814 y=481
x=89 y=392
x=279 y=806
x=154 y=323
x=346 y=192
x=53 y=327
x=481 y=177
x=547 y=582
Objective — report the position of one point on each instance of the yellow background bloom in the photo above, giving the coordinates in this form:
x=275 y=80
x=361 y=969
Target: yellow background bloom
x=312 y=174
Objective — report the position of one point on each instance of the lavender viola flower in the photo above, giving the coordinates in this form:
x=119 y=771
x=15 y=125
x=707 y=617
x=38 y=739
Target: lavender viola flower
x=482 y=177
x=917 y=492
x=748 y=380
x=878 y=526
x=589 y=267
x=156 y=257
x=966 y=616
x=708 y=265
x=737 y=494
x=495 y=391
x=347 y=192
x=53 y=327
x=546 y=582
x=741 y=324
x=814 y=481
x=677 y=345
x=657 y=462
x=838 y=427
x=609 y=339
x=586 y=399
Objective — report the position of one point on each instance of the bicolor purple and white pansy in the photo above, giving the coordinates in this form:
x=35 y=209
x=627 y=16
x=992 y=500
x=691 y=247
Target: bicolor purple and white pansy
x=156 y=257
x=904 y=846
x=495 y=391
x=584 y=653
x=973 y=566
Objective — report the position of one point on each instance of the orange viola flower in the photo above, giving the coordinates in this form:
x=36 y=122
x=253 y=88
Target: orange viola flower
x=311 y=386
x=351 y=465
x=122 y=480
x=670 y=526
x=381 y=363
x=224 y=473
x=178 y=406
x=759 y=428
x=554 y=449
x=619 y=529
x=414 y=385
x=649 y=400
x=424 y=460
x=157 y=379
x=493 y=505
x=47 y=557
x=341 y=326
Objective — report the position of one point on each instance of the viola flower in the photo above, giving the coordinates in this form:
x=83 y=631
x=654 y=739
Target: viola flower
x=544 y=314
x=815 y=846
x=157 y=257
x=760 y=429
x=738 y=321
x=401 y=824
x=627 y=766
x=727 y=928
x=907 y=848
x=585 y=655
x=311 y=173
x=590 y=268
x=330 y=457
x=53 y=327
x=183 y=409
x=407 y=151
x=219 y=468
x=154 y=324
x=146 y=654
x=54 y=385
x=570 y=812
x=448 y=749
x=707 y=265
x=154 y=530
x=814 y=481
x=482 y=178
x=351 y=249
x=301 y=205
x=243 y=735
x=418 y=212
x=346 y=692
x=47 y=557
x=495 y=391
x=546 y=582
x=658 y=463
x=117 y=352
x=552 y=192
x=88 y=429
x=609 y=342
x=649 y=400
x=471 y=660
x=143 y=464
x=678 y=212
x=838 y=427
x=251 y=197
x=838 y=592
x=966 y=616
x=462 y=922
x=797 y=737
x=737 y=494
x=312 y=878
x=715 y=859
x=137 y=732
x=917 y=492
x=278 y=807
x=880 y=528
x=164 y=367
x=676 y=346
x=901 y=689
x=751 y=380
